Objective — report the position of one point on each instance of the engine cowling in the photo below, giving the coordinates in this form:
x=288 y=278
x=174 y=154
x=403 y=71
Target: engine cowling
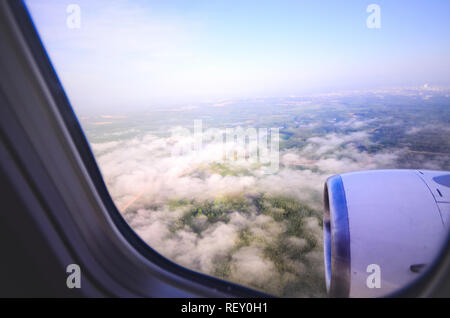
x=382 y=229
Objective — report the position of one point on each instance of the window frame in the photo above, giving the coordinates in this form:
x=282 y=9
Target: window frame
x=155 y=274
x=180 y=280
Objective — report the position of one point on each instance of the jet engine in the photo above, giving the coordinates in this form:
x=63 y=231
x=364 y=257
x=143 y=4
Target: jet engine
x=382 y=229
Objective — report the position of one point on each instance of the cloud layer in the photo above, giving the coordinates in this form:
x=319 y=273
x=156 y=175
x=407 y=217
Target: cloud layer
x=230 y=219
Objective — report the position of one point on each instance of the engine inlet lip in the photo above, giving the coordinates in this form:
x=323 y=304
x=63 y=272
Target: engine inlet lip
x=327 y=238
x=336 y=238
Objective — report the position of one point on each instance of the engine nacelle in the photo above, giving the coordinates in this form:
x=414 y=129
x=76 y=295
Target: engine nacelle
x=386 y=225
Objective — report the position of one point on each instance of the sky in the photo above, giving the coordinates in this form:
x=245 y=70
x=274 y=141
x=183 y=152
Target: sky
x=142 y=54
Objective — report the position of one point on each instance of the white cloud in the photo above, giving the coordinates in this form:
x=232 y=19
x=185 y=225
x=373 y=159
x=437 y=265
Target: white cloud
x=143 y=175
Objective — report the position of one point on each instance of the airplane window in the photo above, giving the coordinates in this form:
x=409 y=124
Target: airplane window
x=216 y=124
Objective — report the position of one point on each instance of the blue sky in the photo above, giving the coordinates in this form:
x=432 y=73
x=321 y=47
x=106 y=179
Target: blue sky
x=146 y=53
